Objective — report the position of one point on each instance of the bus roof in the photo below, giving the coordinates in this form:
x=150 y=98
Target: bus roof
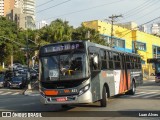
x=88 y=43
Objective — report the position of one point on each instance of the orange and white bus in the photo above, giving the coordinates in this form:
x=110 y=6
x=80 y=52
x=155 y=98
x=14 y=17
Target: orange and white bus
x=85 y=72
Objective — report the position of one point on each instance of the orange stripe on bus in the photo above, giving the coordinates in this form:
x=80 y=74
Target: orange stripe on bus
x=121 y=85
x=103 y=74
x=51 y=92
x=129 y=81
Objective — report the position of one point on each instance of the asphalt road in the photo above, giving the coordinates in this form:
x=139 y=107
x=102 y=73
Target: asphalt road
x=146 y=99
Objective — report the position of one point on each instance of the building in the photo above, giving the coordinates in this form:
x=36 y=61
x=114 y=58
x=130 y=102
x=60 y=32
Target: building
x=1 y=7
x=122 y=37
x=155 y=29
x=6 y=6
x=41 y=24
x=129 y=40
x=143 y=28
x=23 y=13
x=129 y=25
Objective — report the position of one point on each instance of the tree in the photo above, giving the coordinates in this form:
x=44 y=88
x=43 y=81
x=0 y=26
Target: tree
x=57 y=31
x=84 y=33
x=8 y=33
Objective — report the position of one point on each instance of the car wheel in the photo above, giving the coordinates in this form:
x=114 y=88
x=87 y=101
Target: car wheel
x=103 y=101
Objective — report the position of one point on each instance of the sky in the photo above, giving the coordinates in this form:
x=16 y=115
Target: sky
x=78 y=11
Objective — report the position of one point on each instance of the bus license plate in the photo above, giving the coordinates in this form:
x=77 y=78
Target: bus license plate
x=61 y=99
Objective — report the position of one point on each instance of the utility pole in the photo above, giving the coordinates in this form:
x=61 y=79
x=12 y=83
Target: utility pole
x=12 y=59
x=113 y=17
x=28 y=71
x=88 y=34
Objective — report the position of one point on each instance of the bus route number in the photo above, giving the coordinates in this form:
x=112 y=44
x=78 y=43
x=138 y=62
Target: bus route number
x=53 y=73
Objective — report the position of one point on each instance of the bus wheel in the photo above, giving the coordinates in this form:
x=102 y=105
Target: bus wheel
x=133 y=90
x=103 y=101
x=64 y=106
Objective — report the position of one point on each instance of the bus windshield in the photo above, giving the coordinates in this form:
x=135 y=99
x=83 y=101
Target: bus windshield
x=68 y=66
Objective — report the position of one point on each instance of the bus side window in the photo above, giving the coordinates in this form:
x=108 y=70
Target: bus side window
x=94 y=61
x=111 y=64
x=117 y=61
x=128 y=64
x=94 y=58
x=103 y=59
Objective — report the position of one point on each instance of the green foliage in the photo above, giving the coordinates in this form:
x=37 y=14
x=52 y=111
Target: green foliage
x=57 y=31
x=84 y=33
x=8 y=33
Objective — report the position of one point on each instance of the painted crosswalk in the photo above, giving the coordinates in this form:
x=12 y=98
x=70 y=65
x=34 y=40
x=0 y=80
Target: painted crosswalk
x=144 y=95
x=2 y=93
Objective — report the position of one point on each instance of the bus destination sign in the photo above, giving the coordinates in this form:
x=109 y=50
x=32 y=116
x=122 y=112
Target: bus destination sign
x=62 y=47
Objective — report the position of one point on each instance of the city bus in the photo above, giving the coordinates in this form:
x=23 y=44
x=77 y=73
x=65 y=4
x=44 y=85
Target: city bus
x=85 y=72
x=156 y=62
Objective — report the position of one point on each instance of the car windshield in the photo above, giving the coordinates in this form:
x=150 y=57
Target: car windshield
x=64 y=67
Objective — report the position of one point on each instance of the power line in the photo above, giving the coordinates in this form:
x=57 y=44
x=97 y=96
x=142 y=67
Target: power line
x=147 y=13
x=44 y=3
x=133 y=10
x=137 y=27
x=138 y=11
x=84 y=9
x=141 y=25
x=54 y=6
x=143 y=8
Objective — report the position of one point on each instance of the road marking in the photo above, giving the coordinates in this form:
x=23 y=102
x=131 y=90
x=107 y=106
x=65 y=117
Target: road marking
x=150 y=96
x=137 y=93
x=144 y=94
x=15 y=93
x=6 y=93
x=34 y=94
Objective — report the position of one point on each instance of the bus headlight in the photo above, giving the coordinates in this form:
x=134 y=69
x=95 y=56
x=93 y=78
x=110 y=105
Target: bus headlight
x=84 y=89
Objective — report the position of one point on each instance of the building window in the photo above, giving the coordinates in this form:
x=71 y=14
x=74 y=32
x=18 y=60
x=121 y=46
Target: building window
x=116 y=41
x=141 y=46
x=119 y=43
x=156 y=52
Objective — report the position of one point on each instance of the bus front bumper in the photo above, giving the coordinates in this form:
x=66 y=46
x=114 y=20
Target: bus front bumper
x=84 y=98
